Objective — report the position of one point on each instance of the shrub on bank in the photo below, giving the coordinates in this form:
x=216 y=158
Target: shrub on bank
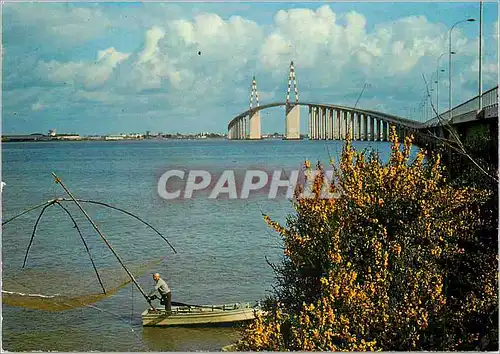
x=385 y=266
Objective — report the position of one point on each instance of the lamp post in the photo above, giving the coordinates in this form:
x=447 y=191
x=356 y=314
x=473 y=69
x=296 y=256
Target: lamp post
x=480 y=79
x=449 y=60
x=437 y=80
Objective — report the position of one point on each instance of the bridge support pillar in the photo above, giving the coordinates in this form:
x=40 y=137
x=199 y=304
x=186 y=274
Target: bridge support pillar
x=354 y=124
x=351 y=125
x=337 y=135
x=384 y=131
x=317 y=123
x=347 y=122
x=255 y=131
x=365 y=127
x=324 y=119
x=309 y=133
x=292 y=126
x=358 y=128
x=372 y=128
x=330 y=121
x=320 y=123
x=400 y=133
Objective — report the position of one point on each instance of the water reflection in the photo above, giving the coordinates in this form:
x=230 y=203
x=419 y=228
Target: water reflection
x=188 y=339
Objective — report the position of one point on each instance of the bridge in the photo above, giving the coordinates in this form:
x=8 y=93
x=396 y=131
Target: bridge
x=335 y=122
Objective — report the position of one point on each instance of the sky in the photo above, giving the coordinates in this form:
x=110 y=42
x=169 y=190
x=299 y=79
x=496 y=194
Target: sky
x=110 y=68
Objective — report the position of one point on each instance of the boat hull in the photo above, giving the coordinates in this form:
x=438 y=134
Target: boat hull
x=199 y=316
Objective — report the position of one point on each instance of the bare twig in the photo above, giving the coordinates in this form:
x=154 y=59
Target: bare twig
x=454 y=134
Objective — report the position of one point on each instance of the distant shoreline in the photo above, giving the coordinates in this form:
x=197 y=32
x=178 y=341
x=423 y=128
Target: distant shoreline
x=97 y=140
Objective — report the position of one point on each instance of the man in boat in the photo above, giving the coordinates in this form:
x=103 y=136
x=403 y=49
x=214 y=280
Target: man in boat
x=165 y=293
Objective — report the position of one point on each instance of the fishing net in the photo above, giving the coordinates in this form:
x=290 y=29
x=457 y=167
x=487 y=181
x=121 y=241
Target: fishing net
x=56 y=290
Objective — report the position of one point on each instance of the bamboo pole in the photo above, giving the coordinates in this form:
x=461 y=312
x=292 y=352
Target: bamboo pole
x=85 y=244
x=58 y=180
x=27 y=211
x=123 y=211
x=57 y=200
x=34 y=230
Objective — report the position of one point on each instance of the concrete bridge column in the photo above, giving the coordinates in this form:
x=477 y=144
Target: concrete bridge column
x=372 y=128
x=318 y=123
x=336 y=133
x=354 y=123
x=399 y=132
x=379 y=131
x=348 y=126
x=340 y=116
x=292 y=122
x=321 y=125
x=255 y=132
x=358 y=129
x=345 y=124
x=325 y=123
x=314 y=123
x=330 y=120
x=385 y=131
x=326 y=126
x=313 y=116
x=365 y=127
x=310 y=123
x=350 y=122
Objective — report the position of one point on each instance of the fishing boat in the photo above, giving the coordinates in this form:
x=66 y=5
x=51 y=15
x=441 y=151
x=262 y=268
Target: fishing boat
x=190 y=315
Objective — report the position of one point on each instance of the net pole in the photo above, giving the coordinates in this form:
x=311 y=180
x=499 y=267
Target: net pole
x=58 y=180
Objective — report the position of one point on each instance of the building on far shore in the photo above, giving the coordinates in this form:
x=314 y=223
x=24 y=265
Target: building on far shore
x=66 y=137
x=113 y=137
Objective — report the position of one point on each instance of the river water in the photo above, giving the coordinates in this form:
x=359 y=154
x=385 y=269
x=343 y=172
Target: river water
x=222 y=244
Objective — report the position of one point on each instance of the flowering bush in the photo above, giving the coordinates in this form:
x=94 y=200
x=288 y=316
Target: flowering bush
x=383 y=266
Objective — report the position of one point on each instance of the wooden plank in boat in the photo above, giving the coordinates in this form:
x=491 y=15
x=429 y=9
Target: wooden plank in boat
x=216 y=314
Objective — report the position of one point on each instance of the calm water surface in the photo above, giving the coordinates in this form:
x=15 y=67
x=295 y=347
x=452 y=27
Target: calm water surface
x=221 y=244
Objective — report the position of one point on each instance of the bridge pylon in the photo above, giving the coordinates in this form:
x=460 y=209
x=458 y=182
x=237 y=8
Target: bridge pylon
x=255 y=130
x=292 y=110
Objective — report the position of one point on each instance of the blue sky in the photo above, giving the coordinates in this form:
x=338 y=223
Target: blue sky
x=105 y=68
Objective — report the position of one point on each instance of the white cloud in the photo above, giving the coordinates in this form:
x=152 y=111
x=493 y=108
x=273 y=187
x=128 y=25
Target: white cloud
x=88 y=74
x=206 y=62
x=319 y=40
x=69 y=24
